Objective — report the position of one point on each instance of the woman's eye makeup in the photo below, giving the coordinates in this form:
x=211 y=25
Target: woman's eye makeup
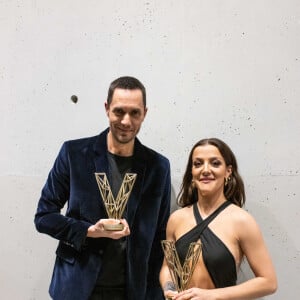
x=214 y=163
x=197 y=163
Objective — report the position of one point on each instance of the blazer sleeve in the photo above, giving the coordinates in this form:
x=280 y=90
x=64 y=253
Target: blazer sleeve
x=55 y=193
x=156 y=256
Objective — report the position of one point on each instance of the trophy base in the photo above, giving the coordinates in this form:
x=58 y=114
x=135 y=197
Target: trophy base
x=113 y=226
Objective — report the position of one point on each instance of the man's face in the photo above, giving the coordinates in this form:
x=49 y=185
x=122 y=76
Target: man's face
x=126 y=114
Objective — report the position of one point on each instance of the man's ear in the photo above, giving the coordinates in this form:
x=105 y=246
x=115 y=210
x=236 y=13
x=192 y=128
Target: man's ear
x=145 y=111
x=106 y=106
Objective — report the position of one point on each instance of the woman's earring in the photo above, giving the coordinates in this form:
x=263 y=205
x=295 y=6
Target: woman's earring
x=227 y=179
x=193 y=184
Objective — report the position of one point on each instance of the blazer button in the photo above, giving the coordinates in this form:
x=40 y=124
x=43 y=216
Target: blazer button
x=100 y=252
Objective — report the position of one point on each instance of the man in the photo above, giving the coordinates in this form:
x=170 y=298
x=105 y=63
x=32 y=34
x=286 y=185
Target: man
x=94 y=263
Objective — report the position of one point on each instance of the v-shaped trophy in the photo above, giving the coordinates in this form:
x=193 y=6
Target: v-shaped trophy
x=181 y=274
x=115 y=207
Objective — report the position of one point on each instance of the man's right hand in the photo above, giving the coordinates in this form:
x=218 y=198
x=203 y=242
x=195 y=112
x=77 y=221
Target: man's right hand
x=97 y=230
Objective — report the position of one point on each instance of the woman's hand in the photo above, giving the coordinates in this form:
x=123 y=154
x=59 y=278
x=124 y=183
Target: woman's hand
x=169 y=294
x=196 y=294
x=169 y=290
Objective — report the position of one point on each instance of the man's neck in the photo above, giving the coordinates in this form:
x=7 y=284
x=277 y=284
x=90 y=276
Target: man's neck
x=119 y=149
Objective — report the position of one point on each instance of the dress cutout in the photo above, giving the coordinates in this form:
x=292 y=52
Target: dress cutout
x=218 y=260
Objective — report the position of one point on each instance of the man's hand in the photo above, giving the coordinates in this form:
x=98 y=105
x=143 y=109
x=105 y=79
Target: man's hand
x=97 y=230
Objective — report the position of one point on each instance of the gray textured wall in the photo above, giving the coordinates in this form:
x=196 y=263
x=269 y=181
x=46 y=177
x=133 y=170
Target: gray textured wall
x=228 y=69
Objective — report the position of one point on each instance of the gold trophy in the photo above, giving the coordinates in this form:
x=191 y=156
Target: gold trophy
x=181 y=275
x=115 y=207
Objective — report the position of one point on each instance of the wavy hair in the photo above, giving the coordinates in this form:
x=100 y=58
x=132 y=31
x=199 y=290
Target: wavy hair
x=234 y=190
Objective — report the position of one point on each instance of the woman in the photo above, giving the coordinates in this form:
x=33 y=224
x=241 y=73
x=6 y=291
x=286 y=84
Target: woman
x=211 y=197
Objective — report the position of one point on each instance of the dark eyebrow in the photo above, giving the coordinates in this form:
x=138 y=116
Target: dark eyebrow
x=212 y=158
x=125 y=109
x=117 y=108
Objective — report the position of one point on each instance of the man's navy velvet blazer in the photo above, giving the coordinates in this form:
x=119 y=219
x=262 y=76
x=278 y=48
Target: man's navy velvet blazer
x=79 y=259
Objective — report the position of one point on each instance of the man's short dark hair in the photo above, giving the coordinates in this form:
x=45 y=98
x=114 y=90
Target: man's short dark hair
x=128 y=83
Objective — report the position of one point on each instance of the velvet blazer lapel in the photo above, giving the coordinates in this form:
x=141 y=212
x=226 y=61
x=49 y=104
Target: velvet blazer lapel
x=138 y=167
x=100 y=153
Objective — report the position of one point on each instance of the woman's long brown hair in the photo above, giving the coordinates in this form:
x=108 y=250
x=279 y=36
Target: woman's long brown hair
x=234 y=190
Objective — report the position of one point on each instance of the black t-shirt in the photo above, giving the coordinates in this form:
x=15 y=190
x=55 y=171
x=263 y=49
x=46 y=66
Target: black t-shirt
x=113 y=269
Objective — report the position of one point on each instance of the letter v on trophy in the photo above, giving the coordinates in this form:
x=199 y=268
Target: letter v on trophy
x=181 y=274
x=115 y=207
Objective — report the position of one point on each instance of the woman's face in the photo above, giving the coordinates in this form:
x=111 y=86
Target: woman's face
x=209 y=170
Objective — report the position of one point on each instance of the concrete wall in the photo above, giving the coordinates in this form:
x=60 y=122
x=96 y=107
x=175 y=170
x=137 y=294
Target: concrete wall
x=228 y=69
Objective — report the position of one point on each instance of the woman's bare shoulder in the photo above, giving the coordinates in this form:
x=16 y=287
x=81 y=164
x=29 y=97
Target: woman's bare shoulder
x=242 y=219
x=240 y=213
x=179 y=222
x=179 y=216
x=181 y=213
